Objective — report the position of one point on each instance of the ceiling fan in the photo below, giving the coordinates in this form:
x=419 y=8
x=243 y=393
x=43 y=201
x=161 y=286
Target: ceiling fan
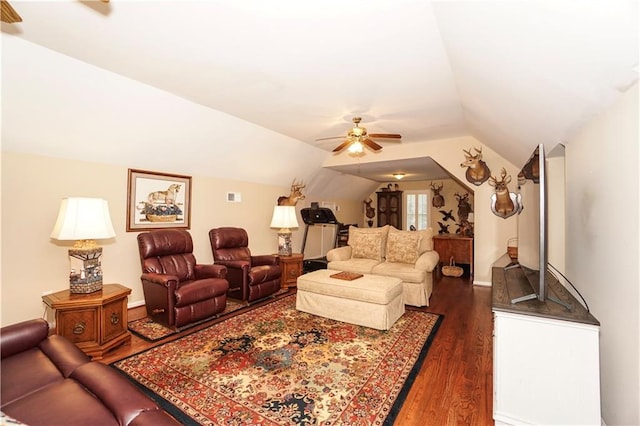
x=10 y=16
x=357 y=138
x=8 y=13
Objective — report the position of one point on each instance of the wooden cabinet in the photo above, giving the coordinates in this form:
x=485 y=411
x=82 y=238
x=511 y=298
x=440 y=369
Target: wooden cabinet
x=291 y=270
x=95 y=322
x=546 y=367
x=390 y=208
x=458 y=246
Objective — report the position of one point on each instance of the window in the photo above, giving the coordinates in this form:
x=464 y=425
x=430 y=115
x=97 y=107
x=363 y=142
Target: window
x=417 y=209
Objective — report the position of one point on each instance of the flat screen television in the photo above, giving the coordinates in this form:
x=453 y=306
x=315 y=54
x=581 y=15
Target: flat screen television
x=533 y=226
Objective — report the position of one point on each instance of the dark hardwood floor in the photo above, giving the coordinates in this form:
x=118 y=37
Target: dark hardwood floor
x=455 y=385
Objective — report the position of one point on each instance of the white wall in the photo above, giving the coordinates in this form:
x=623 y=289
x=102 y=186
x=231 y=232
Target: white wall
x=602 y=253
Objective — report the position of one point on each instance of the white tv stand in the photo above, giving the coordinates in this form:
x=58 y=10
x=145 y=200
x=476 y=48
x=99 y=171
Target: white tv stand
x=546 y=364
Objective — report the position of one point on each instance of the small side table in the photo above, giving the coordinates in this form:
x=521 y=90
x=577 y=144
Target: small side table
x=291 y=269
x=95 y=322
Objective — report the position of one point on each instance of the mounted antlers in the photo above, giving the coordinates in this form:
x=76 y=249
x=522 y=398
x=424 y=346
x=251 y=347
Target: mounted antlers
x=477 y=170
x=294 y=196
x=503 y=204
x=437 y=200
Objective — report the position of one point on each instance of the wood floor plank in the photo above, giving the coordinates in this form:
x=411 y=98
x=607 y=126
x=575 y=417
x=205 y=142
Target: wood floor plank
x=455 y=383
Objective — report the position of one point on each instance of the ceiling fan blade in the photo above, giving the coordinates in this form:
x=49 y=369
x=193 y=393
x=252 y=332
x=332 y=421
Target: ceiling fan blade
x=343 y=145
x=385 y=135
x=371 y=144
x=332 y=137
x=8 y=14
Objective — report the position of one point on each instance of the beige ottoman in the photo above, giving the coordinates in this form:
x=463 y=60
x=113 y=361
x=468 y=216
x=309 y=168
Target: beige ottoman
x=372 y=300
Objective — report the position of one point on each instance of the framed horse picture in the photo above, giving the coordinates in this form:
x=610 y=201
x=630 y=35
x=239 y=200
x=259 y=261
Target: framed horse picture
x=158 y=200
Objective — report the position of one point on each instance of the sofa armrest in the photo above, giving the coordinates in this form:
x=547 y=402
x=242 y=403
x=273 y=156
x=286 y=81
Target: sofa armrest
x=211 y=271
x=427 y=261
x=24 y=335
x=339 y=253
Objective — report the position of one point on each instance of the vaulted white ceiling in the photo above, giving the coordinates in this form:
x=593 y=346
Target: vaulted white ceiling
x=510 y=73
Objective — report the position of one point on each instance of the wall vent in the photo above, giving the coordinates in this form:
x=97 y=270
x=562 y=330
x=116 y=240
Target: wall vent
x=234 y=197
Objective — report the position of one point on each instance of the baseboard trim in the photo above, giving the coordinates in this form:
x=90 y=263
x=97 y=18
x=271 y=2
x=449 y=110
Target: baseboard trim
x=482 y=283
x=132 y=305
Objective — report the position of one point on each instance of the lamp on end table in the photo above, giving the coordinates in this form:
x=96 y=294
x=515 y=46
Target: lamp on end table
x=284 y=217
x=84 y=220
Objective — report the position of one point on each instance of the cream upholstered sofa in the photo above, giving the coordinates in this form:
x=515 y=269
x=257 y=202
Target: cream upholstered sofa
x=390 y=252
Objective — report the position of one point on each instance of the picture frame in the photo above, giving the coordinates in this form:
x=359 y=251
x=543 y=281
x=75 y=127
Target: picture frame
x=157 y=200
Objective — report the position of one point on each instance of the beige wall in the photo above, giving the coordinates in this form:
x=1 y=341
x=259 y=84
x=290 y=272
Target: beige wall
x=602 y=252
x=32 y=187
x=449 y=188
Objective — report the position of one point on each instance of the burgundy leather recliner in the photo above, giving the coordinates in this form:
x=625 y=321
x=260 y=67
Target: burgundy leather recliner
x=47 y=380
x=251 y=278
x=177 y=290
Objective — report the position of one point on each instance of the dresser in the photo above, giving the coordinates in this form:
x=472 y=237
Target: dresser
x=96 y=322
x=389 y=209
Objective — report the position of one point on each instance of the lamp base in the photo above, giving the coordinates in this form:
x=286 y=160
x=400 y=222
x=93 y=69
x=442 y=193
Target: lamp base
x=86 y=270
x=284 y=244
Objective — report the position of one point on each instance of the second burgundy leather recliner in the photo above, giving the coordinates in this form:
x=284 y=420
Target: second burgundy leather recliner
x=251 y=278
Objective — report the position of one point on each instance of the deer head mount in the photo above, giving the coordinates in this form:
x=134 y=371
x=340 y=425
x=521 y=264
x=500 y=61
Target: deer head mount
x=477 y=170
x=464 y=206
x=369 y=210
x=294 y=195
x=437 y=200
x=503 y=202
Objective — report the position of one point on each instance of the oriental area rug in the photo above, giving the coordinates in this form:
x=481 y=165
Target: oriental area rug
x=152 y=331
x=273 y=365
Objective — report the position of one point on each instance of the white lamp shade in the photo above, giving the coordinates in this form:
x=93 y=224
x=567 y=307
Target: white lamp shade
x=284 y=217
x=83 y=219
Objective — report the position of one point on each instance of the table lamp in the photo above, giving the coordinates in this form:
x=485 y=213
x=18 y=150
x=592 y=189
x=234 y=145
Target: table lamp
x=84 y=220
x=284 y=217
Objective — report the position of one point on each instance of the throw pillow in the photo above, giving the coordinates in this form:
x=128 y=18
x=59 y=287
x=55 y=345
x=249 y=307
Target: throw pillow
x=426 y=244
x=367 y=246
x=403 y=246
x=368 y=243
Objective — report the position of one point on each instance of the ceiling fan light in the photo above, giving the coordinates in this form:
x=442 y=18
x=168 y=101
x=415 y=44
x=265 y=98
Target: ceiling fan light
x=398 y=175
x=356 y=148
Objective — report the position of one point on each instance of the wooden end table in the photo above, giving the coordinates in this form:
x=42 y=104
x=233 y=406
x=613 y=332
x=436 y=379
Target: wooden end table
x=96 y=322
x=291 y=270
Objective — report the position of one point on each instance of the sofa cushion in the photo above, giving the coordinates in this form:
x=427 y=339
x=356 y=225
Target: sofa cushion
x=355 y=265
x=403 y=246
x=404 y=271
x=63 y=403
x=368 y=243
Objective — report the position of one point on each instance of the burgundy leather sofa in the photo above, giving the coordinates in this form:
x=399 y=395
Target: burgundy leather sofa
x=47 y=380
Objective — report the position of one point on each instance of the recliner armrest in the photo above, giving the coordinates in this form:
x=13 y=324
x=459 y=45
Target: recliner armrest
x=165 y=280
x=339 y=253
x=210 y=271
x=427 y=261
x=235 y=264
x=24 y=335
x=265 y=260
